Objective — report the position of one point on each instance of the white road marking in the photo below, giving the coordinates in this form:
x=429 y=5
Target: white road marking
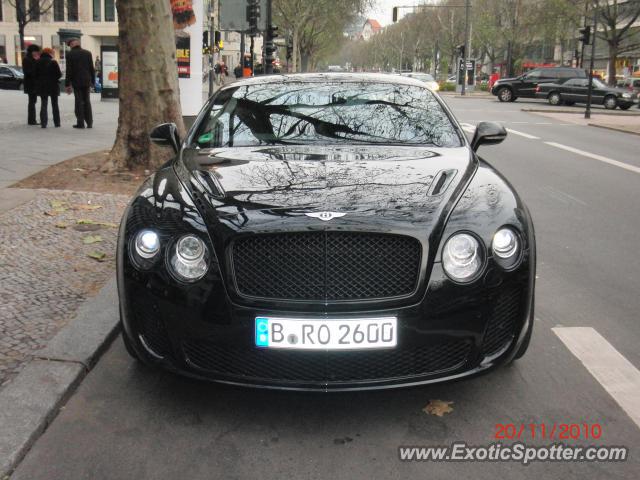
x=522 y=134
x=467 y=127
x=601 y=158
x=610 y=368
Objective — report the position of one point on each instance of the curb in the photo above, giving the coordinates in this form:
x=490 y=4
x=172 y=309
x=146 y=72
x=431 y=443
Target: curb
x=474 y=96
x=580 y=112
x=608 y=127
x=30 y=402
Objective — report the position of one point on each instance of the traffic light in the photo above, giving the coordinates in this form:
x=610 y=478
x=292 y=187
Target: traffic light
x=253 y=14
x=395 y=14
x=585 y=35
x=460 y=50
x=205 y=39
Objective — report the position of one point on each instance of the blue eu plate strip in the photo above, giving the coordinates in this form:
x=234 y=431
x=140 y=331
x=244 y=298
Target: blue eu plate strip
x=262 y=332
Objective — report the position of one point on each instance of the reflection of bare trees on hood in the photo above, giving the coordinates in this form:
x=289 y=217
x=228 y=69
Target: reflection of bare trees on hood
x=327 y=113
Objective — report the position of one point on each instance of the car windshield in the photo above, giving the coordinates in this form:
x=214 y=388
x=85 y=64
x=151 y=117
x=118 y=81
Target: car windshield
x=303 y=113
x=598 y=84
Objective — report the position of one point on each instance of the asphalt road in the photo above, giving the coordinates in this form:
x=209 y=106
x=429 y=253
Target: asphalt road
x=127 y=421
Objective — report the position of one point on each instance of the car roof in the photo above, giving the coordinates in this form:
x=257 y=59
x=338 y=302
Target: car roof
x=326 y=77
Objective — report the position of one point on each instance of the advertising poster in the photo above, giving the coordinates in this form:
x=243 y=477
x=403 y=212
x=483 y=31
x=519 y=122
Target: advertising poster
x=183 y=54
x=188 y=18
x=183 y=17
x=109 y=69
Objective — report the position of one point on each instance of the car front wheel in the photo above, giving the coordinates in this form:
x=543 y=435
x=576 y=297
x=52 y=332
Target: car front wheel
x=505 y=95
x=610 y=102
x=554 y=98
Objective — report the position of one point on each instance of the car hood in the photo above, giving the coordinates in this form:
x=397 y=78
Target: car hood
x=269 y=187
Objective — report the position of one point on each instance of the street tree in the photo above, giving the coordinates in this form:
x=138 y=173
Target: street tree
x=27 y=13
x=148 y=83
x=616 y=21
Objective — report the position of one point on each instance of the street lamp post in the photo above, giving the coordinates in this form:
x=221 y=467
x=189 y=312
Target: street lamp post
x=587 y=112
x=467 y=6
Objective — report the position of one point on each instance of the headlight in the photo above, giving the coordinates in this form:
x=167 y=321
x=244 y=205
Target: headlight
x=189 y=260
x=147 y=244
x=626 y=95
x=461 y=257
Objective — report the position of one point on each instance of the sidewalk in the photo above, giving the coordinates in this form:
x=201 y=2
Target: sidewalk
x=623 y=123
x=28 y=149
x=47 y=272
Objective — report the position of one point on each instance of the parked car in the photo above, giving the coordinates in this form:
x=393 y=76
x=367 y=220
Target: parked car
x=631 y=84
x=326 y=232
x=575 y=90
x=11 y=77
x=424 y=77
x=509 y=89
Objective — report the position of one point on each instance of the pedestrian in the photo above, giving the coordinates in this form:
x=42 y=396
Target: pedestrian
x=29 y=69
x=80 y=77
x=47 y=86
x=237 y=72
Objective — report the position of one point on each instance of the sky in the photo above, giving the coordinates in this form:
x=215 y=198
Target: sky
x=382 y=10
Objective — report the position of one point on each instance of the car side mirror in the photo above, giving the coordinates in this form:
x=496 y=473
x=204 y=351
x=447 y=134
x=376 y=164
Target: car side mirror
x=488 y=133
x=166 y=135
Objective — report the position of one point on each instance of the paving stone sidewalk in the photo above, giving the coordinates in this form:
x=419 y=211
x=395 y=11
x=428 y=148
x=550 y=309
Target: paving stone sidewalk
x=46 y=268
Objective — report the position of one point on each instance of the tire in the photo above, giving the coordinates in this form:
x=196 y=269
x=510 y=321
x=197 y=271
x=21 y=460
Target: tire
x=525 y=343
x=610 y=102
x=505 y=94
x=554 y=99
x=569 y=103
x=624 y=107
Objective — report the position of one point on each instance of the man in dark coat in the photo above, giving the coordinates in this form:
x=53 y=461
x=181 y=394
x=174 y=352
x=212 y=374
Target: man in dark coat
x=48 y=77
x=29 y=69
x=80 y=76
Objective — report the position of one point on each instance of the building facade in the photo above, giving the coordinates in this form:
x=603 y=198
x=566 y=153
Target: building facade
x=96 y=20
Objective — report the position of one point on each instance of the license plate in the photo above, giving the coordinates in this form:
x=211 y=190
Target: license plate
x=334 y=334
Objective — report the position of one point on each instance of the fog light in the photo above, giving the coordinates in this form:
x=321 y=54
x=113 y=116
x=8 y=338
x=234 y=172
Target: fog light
x=147 y=244
x=189 y=261
x=505 y=243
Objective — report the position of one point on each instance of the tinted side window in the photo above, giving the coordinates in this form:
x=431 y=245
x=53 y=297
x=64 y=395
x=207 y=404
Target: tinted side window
x=533 y=75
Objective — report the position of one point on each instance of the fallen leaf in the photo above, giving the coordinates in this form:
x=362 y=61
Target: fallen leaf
x=87 y=227
x=86 y=207
x=108 y=224
x=51 y=213
x=97 y=255
x=89 y=239
x=438 y=407
x=61 y=225
x=84 y=221
x=58 y=204
x=79 y=169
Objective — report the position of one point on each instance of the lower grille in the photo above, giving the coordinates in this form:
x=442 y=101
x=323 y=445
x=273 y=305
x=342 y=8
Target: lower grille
x=326 y=366
x=500 y=329
x=326 y=265
x=152 y=330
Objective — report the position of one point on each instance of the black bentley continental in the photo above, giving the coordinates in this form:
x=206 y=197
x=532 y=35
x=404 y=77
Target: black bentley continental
x=326 y=232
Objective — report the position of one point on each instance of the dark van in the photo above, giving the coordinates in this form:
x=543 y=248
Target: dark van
x=509 y=89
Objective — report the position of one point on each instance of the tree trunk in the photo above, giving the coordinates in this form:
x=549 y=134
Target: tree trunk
x=21 y=35
x=611 y=68
x=148 y=84
x=294 y=54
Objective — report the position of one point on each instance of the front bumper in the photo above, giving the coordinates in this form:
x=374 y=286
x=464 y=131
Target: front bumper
x=455 y=331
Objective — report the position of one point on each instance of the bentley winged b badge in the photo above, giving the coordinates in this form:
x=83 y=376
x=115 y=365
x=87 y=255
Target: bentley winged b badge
x=325 y=216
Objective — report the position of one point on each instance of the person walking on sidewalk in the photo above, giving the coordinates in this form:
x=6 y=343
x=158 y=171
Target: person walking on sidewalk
x=29 y=69
x=80 y=76
x=47 y=85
